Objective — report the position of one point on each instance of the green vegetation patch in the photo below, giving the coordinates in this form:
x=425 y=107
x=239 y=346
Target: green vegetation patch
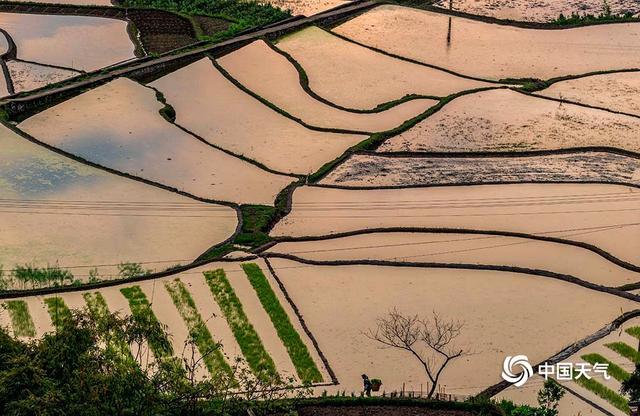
x=100 y=311
x=242 y=14
x=20 y=318
x=250 y=343
x=305 y=367
x=625 y=350
x=210 y=350
x=42 y=276
x=58 y=311
x=141 y=311
x=256 y=220
x=614 y=370
x=634 y=331
x=604 y=392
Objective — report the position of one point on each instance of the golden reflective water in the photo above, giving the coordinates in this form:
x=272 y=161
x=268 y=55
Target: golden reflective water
x=118 y=125
x=79 y=42
x=54 y=210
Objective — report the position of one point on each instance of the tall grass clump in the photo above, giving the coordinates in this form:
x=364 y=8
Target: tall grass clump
x=259 y=361
x=302 y=361
x=625 y=350
x=20 y=318
x=141 y=312
x=198 y=331
x=58 y=311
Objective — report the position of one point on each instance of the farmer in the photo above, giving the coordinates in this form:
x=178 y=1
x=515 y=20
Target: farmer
x=367 y=385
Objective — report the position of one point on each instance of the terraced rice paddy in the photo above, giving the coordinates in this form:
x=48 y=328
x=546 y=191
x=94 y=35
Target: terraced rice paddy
x=496 y=308
x=504 y=120
x=356 y=77
x=617 y=92
x=225 y=116
x=305 y=7
x=538 y=11
x=76 y=228
x=492 y=51
x=600 y=215
x=77 y=42
x=118 y=126
x=278 y=82
x=29 y=76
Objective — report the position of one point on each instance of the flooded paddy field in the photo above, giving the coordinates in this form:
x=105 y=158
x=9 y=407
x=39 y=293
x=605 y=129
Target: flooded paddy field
x=505 y=120
x=58 y=212
x=354 y=76
x=493 y=51
x=118 y=125
x=497 y=309
x=600 y=215
x=305 y=7
x=371 y=170
x=29 y=76
x=74 y=42
x=617 y=92
x=278 y=82
x=215 y=109
x=539 y=11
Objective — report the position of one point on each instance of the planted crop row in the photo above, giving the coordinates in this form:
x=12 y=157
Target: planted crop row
x=605 y=393
x=302 y=361
x=250 y=343
x=58 y=311
x=99 y=310
x=634 y=331
x=20 y=318
x=614 y=370
x=210 y=350
x=141 y=311
x=625 y=350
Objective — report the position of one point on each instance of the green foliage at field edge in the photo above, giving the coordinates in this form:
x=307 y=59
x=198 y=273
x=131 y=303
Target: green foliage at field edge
x=58 y=311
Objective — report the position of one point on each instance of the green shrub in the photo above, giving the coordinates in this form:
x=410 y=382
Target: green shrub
x=20 y=318
x=142 y=313
x=209 y=349
x=302 y=361
x=129 y=270
x=42 y=276
x=250 y=343
x=256 y=220
x=58 y=311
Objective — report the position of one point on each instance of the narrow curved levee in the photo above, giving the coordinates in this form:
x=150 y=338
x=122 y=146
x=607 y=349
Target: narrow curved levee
x=498 y=310
x=58 y=212
x=507 y=121
x=491 y=51
x=118 y=126
x=596 y=214
x=389 y=170
x=211 y=106
x=356 y=77
x=451 y=248
x=277 y=81
x=616 y=91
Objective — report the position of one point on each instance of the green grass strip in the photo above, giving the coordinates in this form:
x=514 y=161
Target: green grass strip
x=210 y=350
x=250 y=343
x=20 y=318
x=99 y=310
x=634 y=331
x=58 y=311
x=604 y=392
x=141 y=310
x=625 y=350
x=614 y=370
x=302 y=361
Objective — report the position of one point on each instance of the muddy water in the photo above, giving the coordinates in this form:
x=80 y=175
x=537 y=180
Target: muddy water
x=211 y=106
x=83 y=43
x=602 y=215
x=118 y=125
x=357 y=77
x=27 y=76
x=538 y=11
x=502 y=312
x=504 y=120
x=492 y=51
x=468 y=249
x=618 y=92
x=54 y=210
x=278 y=81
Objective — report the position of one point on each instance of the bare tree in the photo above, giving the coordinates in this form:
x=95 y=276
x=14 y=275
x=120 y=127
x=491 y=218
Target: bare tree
x=430 y=341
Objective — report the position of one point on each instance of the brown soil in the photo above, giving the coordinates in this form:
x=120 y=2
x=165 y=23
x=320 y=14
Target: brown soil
x=376 y=411
x=211 y=25
x=162 y=31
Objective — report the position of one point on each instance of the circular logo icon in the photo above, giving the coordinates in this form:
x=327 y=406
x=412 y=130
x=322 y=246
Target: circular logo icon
x=511 y=363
